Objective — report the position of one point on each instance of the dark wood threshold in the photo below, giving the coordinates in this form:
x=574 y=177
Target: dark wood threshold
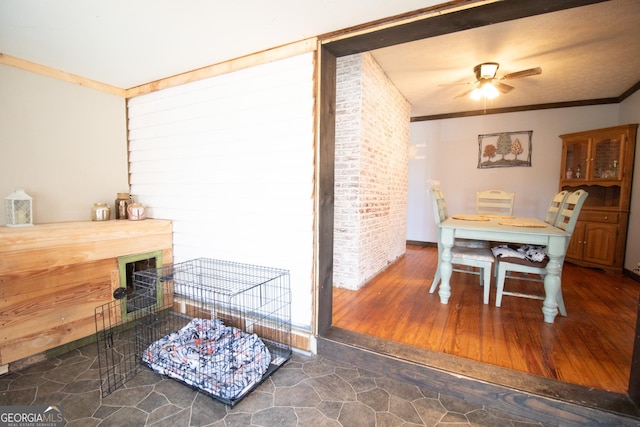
x=517 y=393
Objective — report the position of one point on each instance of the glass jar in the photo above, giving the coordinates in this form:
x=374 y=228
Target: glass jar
x=123 y=200
x=100 y=212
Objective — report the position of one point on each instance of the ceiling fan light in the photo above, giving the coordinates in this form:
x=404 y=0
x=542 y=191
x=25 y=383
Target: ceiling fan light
x=487 y=70
x=484 y=90
x=489 y=91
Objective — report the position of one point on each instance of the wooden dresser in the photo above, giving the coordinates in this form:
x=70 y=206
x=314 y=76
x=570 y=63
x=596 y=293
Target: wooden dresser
x=53 y=276
x=601 y=162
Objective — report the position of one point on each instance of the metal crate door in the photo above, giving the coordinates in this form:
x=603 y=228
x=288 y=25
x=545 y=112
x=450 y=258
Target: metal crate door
x=117 y=359
x=118 y=339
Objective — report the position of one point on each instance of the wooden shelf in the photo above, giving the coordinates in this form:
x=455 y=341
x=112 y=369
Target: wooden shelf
x=52 y=276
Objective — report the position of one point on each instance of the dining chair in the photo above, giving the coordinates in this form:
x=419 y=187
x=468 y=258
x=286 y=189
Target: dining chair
x=554 y=207
x=468 y=255
x=550 y=216
x=441 y=206
x=494 y=202
x=566 y=217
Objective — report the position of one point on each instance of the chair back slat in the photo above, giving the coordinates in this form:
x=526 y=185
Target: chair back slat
x=554 y=207
x=439 y=205
x=570 y=210
x=494 y=202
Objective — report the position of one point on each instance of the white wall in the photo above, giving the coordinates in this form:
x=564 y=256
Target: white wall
x=630 y=113
x=447 y=151
x=64 y=144
x=230 y=160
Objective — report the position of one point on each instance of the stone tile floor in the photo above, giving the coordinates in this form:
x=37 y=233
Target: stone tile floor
x=305 y=391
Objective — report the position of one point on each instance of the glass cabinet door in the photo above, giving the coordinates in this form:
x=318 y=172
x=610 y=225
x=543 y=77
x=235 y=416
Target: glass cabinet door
x=606 y=158
x=576 y=163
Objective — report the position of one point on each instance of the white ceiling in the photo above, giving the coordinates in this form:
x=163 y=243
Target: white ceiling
x=590 y=52
x=126 y=43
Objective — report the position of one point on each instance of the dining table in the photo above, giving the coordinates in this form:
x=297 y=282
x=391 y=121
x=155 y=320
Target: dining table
x=507 y=229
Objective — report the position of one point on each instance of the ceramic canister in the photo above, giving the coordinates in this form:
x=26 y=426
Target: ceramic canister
x=100 y=212
x=136 y=212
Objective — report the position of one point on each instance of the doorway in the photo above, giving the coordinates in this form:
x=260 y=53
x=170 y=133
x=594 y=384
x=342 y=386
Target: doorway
x=405 y=362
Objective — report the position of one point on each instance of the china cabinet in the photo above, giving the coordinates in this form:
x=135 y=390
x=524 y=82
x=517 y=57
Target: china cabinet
x=600 y=161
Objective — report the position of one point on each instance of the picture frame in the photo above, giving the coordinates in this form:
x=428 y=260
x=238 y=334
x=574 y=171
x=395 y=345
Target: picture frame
x=504 y=149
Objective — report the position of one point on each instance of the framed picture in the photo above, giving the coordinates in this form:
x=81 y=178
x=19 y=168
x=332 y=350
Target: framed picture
x=504 y=149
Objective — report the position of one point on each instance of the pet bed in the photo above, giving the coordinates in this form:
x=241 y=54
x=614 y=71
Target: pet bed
x=223 y=361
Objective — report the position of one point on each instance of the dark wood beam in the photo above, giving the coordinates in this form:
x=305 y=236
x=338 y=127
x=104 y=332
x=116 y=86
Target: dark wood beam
x=517 y=109
x=449 y=23
x=326 y=161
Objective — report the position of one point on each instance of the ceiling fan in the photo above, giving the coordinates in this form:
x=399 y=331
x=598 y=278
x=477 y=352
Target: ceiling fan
x=488 y=85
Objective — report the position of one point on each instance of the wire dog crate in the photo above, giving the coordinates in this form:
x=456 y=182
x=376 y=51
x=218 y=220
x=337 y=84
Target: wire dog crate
x=221 y=327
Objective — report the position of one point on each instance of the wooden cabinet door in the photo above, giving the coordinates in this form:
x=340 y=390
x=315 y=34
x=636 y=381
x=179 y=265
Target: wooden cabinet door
x=600 y=243
x=576 y=154
x=606 y=155
x=574 y=251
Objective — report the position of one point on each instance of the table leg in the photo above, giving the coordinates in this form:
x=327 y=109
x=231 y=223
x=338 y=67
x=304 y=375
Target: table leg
x=555 y=250
x=446 y=237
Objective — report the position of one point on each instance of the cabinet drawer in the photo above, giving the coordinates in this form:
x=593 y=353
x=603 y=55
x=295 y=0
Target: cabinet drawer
x=594 y=216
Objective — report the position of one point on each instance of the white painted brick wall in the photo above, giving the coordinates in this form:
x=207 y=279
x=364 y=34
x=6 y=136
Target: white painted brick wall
x=371 y=177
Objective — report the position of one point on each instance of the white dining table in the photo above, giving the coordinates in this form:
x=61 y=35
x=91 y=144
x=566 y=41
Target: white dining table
x=499 y=229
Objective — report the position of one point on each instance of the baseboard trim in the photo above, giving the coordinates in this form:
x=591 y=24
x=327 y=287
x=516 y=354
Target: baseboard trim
x=631 y=274
x=419 y=243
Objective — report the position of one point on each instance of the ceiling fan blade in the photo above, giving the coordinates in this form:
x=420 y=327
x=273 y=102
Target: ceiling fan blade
x=458 y=84
x=504 y=88
x=523 y=73
x=465 y=93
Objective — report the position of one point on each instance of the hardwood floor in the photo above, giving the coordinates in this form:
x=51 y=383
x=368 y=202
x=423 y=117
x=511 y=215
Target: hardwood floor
x=590 y=347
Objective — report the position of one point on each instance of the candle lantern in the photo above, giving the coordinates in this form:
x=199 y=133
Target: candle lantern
x=19 y=209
